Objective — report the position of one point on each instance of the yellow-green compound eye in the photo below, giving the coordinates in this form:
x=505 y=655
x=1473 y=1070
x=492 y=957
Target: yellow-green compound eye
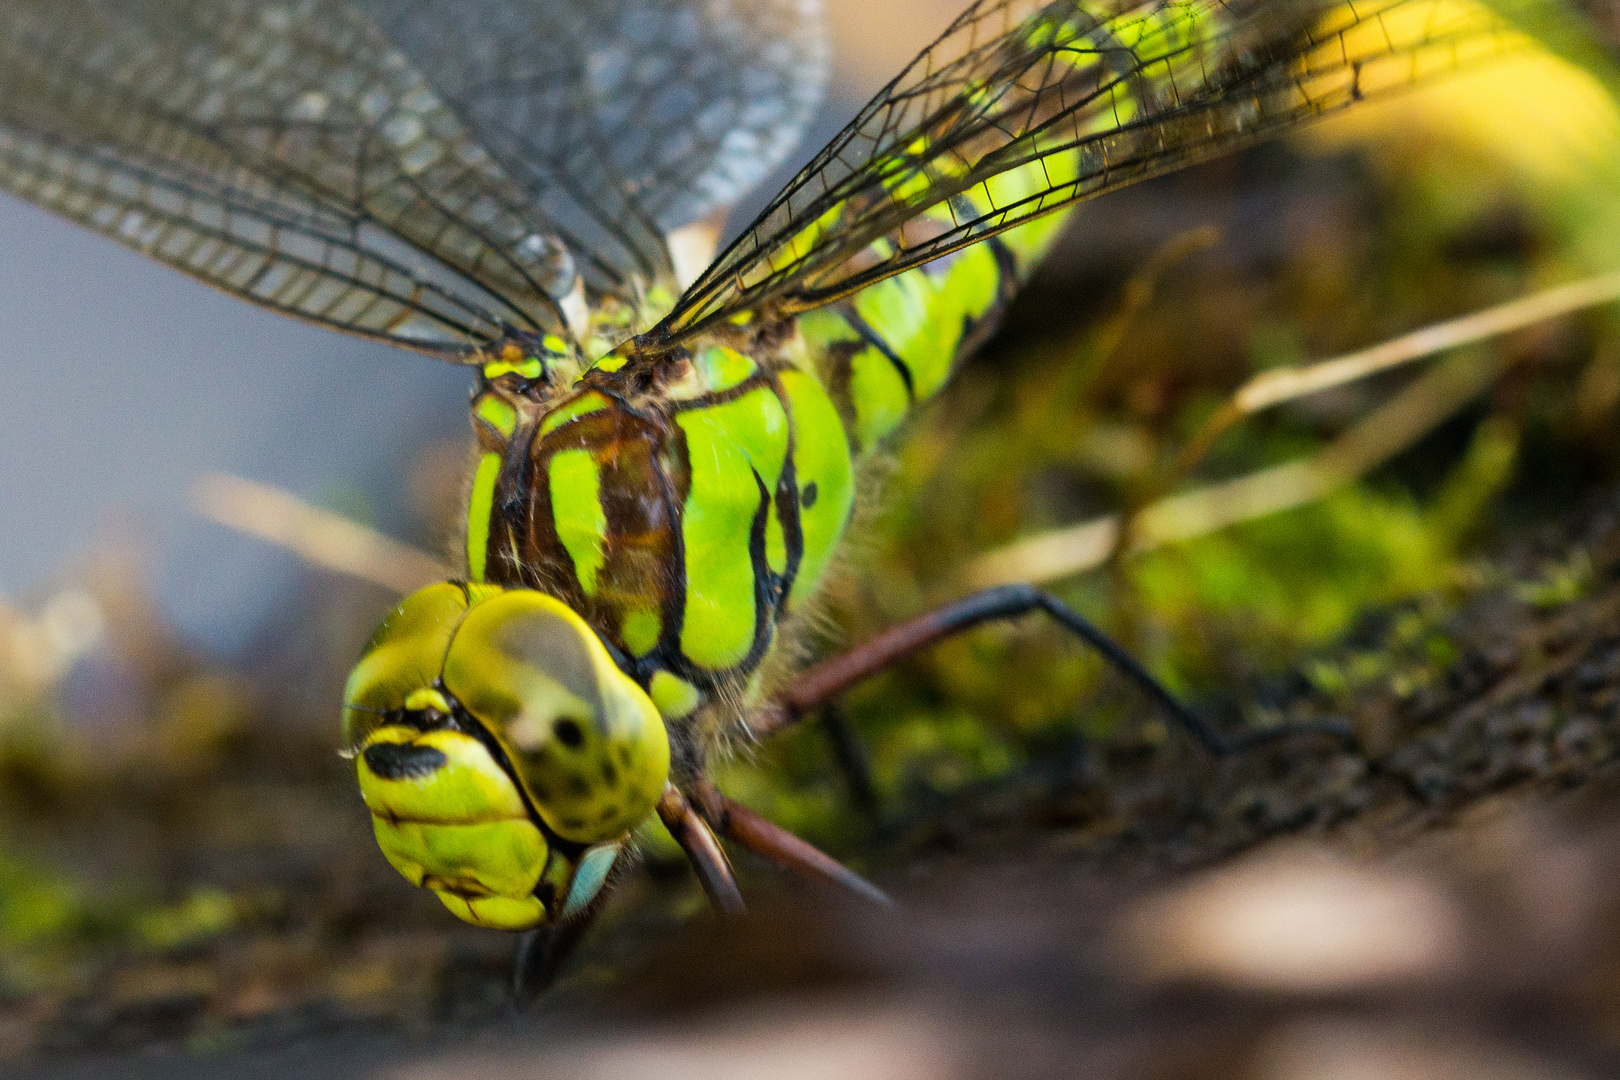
x=444 y=812
x=403 y=656
x=583 y=738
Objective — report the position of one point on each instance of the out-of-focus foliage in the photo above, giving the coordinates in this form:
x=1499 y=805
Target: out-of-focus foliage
x=49 y=922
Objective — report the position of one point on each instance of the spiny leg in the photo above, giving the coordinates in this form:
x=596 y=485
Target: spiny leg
x=736 y=822
x=541 y=953
x=853 y=760
x=708 y=859
x=824 y=682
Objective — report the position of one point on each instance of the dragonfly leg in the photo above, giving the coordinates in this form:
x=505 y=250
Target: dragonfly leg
x=736 y=822
x=541 y=953
x=708 y=859
x=850 y=753
x=822 y=683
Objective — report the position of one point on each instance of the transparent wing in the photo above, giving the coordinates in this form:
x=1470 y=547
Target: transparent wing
x=286 y=153
x=1094 y=93
x=627 y=118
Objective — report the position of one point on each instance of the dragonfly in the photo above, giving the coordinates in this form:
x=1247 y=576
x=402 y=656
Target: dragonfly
x=669 y=444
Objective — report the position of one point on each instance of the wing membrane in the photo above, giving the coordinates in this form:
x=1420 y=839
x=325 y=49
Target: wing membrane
x=1095 y=94
x=627 y=118
x=285 y=153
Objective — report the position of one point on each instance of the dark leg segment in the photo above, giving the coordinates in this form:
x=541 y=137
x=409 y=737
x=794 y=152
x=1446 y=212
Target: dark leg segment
x=825 y=681
x=736 y=822
x=541 y=953
x=851 y=756
x=704 y=851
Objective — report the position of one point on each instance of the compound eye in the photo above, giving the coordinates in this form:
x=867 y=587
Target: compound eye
x=584 y=739
x=402 y=658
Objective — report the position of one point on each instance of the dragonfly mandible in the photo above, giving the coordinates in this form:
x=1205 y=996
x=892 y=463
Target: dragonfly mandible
x=667 y=454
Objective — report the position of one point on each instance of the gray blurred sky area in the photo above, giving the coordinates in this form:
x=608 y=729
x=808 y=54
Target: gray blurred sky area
x=124 y=382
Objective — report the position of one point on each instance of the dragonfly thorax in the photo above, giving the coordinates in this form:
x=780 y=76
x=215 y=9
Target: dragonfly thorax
x=681 y=503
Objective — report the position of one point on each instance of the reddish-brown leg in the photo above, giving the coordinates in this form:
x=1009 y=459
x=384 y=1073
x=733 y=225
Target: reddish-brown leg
x=708 y=859
x=736 y=822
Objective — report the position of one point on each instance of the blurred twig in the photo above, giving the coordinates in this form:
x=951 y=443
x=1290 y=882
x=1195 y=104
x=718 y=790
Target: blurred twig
x=318 y=536
x=1285 y=384
x=1375 y=439
x=1144 y=285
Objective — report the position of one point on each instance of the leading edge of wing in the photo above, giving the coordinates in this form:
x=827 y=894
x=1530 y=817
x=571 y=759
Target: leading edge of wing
x=1020 y=109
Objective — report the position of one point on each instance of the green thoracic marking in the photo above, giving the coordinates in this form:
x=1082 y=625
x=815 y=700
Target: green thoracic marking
x=479 y=508
x=640 y=629
x=528 y=368
x=714 y=369
x=880 y=394
x=921 y=315
x=721 y=367
x=825 y=476
x=497 y=413
x=674 y=696
x=734 y=449
x=588 y=402
x=776 y=550
x=576 y=508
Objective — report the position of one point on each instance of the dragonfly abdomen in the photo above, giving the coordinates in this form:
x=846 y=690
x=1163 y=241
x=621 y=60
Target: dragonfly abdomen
x=893 y=345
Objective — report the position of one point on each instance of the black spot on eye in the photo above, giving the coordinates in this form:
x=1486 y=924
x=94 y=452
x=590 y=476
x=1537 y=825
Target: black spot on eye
x=609 y=812
x=540 y=792
x=807 y=497
x=568 y=733
x=624 y=756
x=578 y=785
x=610 y=775
x=573 y=823
x=402 y=761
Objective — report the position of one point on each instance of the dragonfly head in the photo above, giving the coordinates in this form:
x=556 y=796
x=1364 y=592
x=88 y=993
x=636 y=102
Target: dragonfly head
x=503 y=755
